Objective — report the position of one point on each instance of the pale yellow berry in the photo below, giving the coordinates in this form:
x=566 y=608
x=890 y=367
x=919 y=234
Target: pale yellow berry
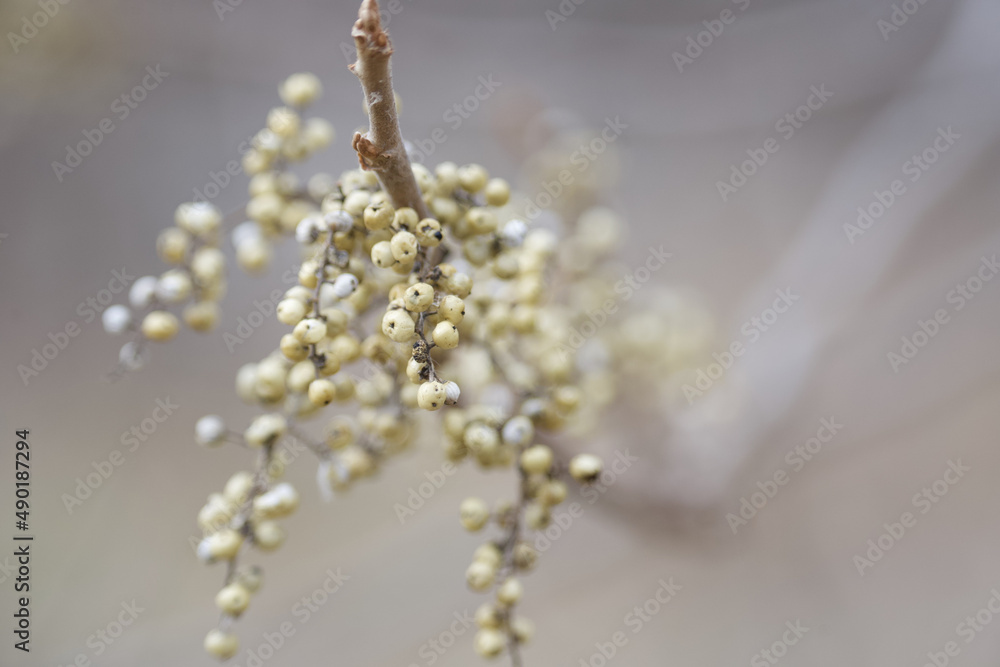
x=472 y=177
x=497 y=192
x=552 y=492
x=474 y=514
x=488 y=553
x=537 y=516
x=268 y=535
x=173 y=244
x=418 y=297
x=489 y=642
x=293 y=348
x=322 y=392
x=415 y=370
x=300 y=89
x=317 y=134
x=202 y=315
x=510 y=592
x=585 y=467
x=431 y=395
x=339 y=432
x=524 y=556
x=233 y=599
x=460 y=284
x=398 y=325
x=567 y=397
x=160 y=325
x=310 y=331
x=356 y=202
x=445 y=335
x=480 y=575
x=536 y=460
x=488 y=616
x=265 y=429
x=208 y=264
x=291 y=311
x=452 y=308
x=379 y=216
x=429 y=232
x=223 y=545
x=481 y=220
x=221 y=645
x=523 y=629
x=404 y=246
x=283 y=121
x=253 y=255
x=382 y=255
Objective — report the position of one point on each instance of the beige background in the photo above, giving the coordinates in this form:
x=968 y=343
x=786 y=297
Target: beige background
x=667 y=516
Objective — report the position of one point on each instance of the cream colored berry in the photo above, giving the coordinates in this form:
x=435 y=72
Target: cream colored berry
x=445 y=335
x=497 y=192
x=339 y=432
x=452 y=308
x=300 y=89
x=293 y=348
x=382 y=255
x=310 y=331
x=265 y=429
x=174 y=286
x=173 y=244
x=253 y=255
x=418 y=297
x=537 y=516
x=474 y=514
x=322 y=392
x=398 y=325
x=268 y=535
x=460 y=284
x=510 y=591
x=208 y=264
x=233 y=599
x=472 y=177
x=431 y=395
x=488 y=616
x=160 y=326
x=317 y=134
x=523 y=629
x=488 y=553
x=379 y=216
x=291 y=311
x=404 y=246
x=202 y=315
x=223 y=545
x=585 y=467
x=525 y=556
x=428 y=232
x=552 y=492
x=480 y=575
x=221 y=645
x=415 y=370
x=489 y=642
x=405 y=219
x=284 y=122
x=536 y=460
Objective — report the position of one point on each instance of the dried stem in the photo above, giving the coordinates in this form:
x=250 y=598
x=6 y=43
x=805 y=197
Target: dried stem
x=381 y=148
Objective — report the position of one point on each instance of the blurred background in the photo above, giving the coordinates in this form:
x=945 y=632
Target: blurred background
x=754 y=130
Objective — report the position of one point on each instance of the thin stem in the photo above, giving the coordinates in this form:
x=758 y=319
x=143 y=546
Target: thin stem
x=381 y=149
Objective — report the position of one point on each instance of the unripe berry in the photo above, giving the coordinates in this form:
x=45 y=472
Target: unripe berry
x=474 y=514
x=223 y=545
x=489 y=643
x=418 y=297
x=429 y=233
x=172 y=245
x=510 y=592
x=265 y=430
x=398 y=325
x=536 y=460
x=174 y=286
x=488 y=553
x=497 y=192
x=472 y=177
x=201 y=315
x=310 y=331
x=291 y=311
x=300 y=89
x=537 y=516
x=160 y=326
x=525 y=556
x=322 y=392
x=431 y=395
x=488 y=616
x=233 y=599
x=382 y=255
x=585 y=467
x=268 y=535
x=221 y=645
x=552 y=492
x=293 y=348
x=445 y=335
x=452 y=308
x=523 y=629
x=403 y=246
x=378 y=216
x=480 y=576
x=283 y=121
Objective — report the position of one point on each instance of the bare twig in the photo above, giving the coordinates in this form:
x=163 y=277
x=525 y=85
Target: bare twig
x=381 y=148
